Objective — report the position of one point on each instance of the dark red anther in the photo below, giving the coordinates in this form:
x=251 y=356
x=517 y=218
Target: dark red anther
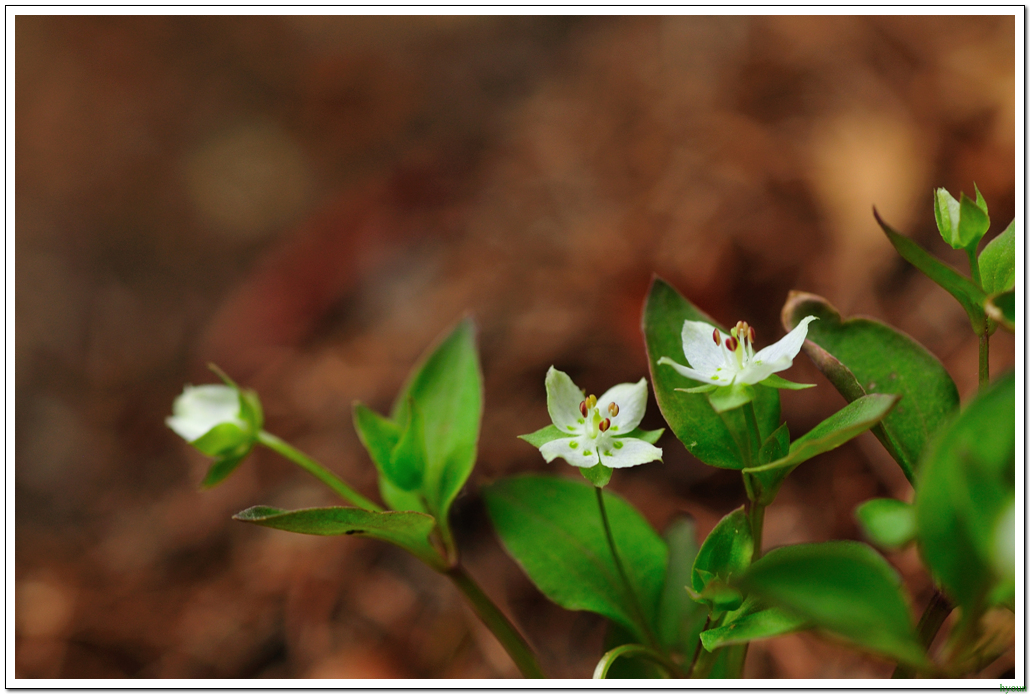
x=731 y=343
x=751 y=335
x=605 y=423
x=583 y=408
x=715 y=335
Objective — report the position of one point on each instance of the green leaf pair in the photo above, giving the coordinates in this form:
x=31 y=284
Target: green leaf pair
x=424 y=451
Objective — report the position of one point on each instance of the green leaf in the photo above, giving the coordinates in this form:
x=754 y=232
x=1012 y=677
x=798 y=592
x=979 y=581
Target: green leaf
x=966 y=484
x=402 y=528
x=970 y=296
x=998 y=261
x=843 y=587
x=1001 y=307
x=598 y=475
x=680 y=619
x=861 y=356
x=888 y=523
x=447 y=388
x=650 y=437
x=775 y=381
x=630 y=666
x=552 y=527
x=377 y=434
x=764 y=481
x=731 y=397
x=225 y=439
x=408 y=459
x=776 y=446
x=223 y=466
x=715 y=439
x=752 y=622
x=541 y=436
x=725 y=553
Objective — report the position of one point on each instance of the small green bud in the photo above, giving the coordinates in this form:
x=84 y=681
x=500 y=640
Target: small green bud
x=217 y=420
x=962 y=223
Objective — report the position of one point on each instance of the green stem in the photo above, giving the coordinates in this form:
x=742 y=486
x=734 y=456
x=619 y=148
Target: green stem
x=335 y=483
x=498 y=624
x=631 y=594
x=929 y=624
x=756 y=517
x=985 y=357
x=697 y=651
x=635 y=650
x=974 y=265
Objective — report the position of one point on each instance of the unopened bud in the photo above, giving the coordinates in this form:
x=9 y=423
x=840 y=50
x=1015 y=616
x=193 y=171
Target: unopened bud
x=605 y=423
x=731 y=343
x=613 y=409
x=583 y=408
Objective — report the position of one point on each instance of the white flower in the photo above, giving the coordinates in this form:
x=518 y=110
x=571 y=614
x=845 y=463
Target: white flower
x=211 y=417
x=592 y=430
x=719 y=360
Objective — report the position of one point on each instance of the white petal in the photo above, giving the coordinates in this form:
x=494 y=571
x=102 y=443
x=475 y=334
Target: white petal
x=629 y=452
x=721 y=377
x=703 y=355
x=777 y=356
x=563 y=398
x=631 y=399
x=578 y=451
x=199 y=409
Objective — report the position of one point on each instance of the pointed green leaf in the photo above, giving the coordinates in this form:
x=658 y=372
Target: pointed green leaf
x=714 y=438
x=965 y=486
x=541 y=436
x=731 y=397
x=775 y=381
x=408 y=459
x=552 y=527
x=725 y=553
x=888 y=523
x=751 y=622
x=1001 y=307
x=844 y=425
x=405 y=529
x=970 y=296
x=447 y=387
x=998 y=261
x=845 y=588
x=650 y=437
x=776 y=446
x=861 y=356
x=377 y=434
x=972 y=225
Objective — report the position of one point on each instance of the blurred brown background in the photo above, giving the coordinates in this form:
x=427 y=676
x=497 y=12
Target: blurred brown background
x=310 y=201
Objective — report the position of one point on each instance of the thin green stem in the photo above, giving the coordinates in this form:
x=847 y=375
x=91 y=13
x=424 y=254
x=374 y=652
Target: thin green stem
x=310 y=465
x=498 y=624
x=631 y=594
x=929 y=624
x=635 y=650
x=756 y=517
x=697 y=651
x=985 y=359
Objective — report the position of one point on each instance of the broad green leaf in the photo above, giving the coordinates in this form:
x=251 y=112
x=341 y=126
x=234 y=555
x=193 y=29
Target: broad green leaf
x=888 y=523
x=680 y=618
x=725 y=553
x=552 y=527
x=763 y=482
x=403 y=528
x=408 y=458
x=715 y=439
x=998 y=261
x=753 y=621
x=1001 y=307
x=965 y=486
x=447 y=387
x=970 y=296
x=861 y=356
x=845 y=588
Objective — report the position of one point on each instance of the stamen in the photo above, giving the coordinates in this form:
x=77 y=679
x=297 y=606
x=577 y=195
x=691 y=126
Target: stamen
x=751 y=335
x=731 y=343
x=583 y=408
x=613 y=409
x=605 y=423
x=715 y=336
x=592 y=402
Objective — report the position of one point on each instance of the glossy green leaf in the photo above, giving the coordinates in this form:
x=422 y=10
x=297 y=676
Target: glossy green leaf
x=715 y=439
x=970 y=296
x=966 y=484
x=403 y=528
x=724 y=554
x=680 y=618
x=753 y=621
x=1001 y=308
x=861 y=356
x=763 y=482
x=552 y=527
x=998 y=261
x=888 y=523
x=845 y=588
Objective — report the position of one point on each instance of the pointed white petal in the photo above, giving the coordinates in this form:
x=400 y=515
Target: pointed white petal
x=721 y=377
x=578 y=451
x=778 y=356
x=627 y=452
x=703 y=355
x=201 y=408
x=631 y=399
x=563 y=398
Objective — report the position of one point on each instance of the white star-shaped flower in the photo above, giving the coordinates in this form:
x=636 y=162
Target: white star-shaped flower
x=589 y=430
